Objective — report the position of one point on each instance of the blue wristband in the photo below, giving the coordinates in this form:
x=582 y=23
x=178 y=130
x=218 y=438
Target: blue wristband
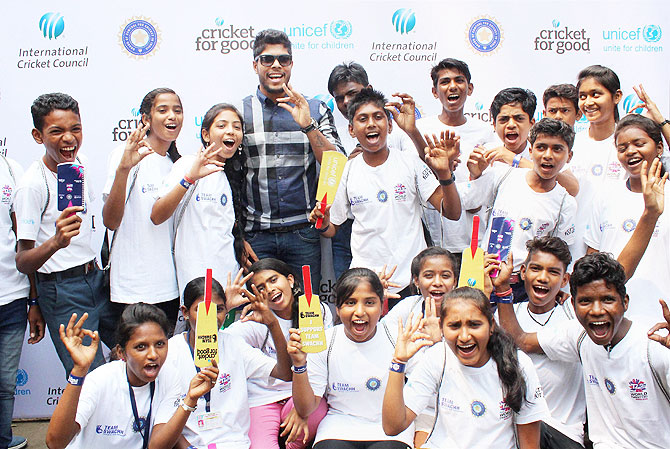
x=299 y=369
x=516 y=160
x=397 y=367
x=508 y=299
x=75 y=380
x=32 y=302
x=185 y=184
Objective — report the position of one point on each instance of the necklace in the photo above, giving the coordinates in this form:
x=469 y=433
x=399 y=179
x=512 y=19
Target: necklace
x=530 y=314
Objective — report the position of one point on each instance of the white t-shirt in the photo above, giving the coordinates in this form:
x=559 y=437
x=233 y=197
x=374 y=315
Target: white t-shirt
x=626 y=409
x=353 y=380
x=142 y=268
x=614 y=215
x=535 y=214
x=31 y=197
x=385 y=203
x=13 y=283
x=205 y=233
x=471 y=409
x=455 y=235
x=105 y=412
x=593 y=164
x=257 y=335
x=567 y=406
x=238 y=363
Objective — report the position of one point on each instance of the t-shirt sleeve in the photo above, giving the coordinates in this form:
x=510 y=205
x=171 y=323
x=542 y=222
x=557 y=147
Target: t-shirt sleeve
x=534 y=408
x=478 y=192
x=593 y=232
x=426 y=181
x=340 y=211
x=566 y=225
x=256 y=364
x=660 y=360
x=89 y=398
x=169 y=402
x=176 y=174
x=317 y=369
x=326 y=125
x=421 y=388
x=29 y=204
x=112 y=165
x=560 y=342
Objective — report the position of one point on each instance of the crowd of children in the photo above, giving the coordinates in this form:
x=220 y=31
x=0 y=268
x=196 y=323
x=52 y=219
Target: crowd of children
x=412 y=359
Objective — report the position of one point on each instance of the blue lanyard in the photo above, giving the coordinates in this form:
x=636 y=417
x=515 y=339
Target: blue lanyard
x=208 y=395
x=142 y=425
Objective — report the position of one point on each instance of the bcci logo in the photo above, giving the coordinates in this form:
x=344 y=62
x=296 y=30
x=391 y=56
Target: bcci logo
x=477 y=408
x=403 y=20
x=139 y=37
x=629 y=225
x=340 y=29
x=610 y=386
x=485 y=35
x=382 y=196
x=52 y=25
x=525 y=223
x=652 y=33
x=224 y=199
x=373 y=384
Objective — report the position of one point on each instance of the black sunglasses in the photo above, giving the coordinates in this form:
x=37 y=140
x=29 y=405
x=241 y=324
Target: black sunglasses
x=269 y=60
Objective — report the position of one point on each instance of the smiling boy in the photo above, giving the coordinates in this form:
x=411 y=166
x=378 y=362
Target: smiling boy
x=57 y=245
x=384 y=191
x=531 y=198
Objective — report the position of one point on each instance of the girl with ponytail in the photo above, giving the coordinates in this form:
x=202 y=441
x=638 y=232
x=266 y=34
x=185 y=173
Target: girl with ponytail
x=140 y=259
x=486 y=392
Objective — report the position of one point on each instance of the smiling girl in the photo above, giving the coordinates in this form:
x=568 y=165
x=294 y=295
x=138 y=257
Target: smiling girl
x=351 y=373
x=205 y=191
x=488 y=394
x=116 y=406
x=141 y=261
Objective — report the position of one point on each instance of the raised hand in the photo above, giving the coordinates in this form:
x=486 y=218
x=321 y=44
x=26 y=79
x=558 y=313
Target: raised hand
x=664 y=340
x=73 y=336
x=132 y=154
x=431 y=321
x=403 y=111
x=477 y=162
x=235 y=289
x=500 y=154
x=203 y=381
x=442 y=152
x=653 y=187
x=293 y=426
x=646 y=102
x=410 y=340
x=385 y=278
x=68 y=224
x=258 y=310
x=300 y=109
x=294 y=348
x=205 y=163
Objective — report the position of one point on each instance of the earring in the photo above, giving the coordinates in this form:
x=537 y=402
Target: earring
x=239 y=149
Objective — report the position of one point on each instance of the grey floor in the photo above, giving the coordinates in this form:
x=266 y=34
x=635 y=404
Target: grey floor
x=34 y=431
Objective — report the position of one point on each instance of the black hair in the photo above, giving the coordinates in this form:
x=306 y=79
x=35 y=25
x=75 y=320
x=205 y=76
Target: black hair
x=349 y=280
x=596 y=267
x=236 y=172
x=651 y=128
x=196 y=288
x=136 y=315
x=501 y=347
x=449 y=63
x=554 y=128
x=284 y=269
x=605 y=76
x=366 y=96
x=271 y=37
x=512 y=95
x=346 y=72
x=433 y=251
x=46 y=103
x=567 y=91
x=145 y=108
x=550 y=245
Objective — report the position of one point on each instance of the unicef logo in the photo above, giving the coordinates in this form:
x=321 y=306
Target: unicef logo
x=382 y=196
x=652 y=33
x=484 y=35
x=224 y=199
x=52 y=25
x=525 y=223
x=404 y=20
x=629 y=225
x=610 y=386
x=21 y=377
x=477 y=408
x=373 y=384
x=139 y=37
x=329 y=100
x=340 y=29
x=629 y=102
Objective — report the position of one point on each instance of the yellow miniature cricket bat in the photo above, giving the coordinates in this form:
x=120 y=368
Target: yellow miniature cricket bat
x=206 y=329
x=332 y=167
x=472 y=264
x=310 y=317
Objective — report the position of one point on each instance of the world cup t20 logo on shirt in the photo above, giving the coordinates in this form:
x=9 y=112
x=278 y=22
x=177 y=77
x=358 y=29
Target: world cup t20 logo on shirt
x=638 y=390
x=224 y=382
x=6 y=194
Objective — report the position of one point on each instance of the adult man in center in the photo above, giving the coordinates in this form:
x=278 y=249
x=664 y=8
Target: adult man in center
x=285 y=135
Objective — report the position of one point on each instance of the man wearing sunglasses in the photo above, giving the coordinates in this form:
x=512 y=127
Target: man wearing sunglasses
x=285 y=135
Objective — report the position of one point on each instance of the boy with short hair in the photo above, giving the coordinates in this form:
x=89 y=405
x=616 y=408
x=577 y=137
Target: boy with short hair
x=625 y=372
x=531 y=198
x=57 y=245
x=383 y=190
x=561 y=102
x=452 y=85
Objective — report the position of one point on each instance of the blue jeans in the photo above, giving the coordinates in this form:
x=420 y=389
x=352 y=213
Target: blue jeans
x=13 y=318
x=341 y=243
x=59 y=299
x=296 y=248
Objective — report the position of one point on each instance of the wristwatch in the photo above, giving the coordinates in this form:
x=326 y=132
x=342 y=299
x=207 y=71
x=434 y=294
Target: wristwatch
x=312 y=126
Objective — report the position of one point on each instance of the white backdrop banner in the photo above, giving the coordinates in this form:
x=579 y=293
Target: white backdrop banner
x=109 y=55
